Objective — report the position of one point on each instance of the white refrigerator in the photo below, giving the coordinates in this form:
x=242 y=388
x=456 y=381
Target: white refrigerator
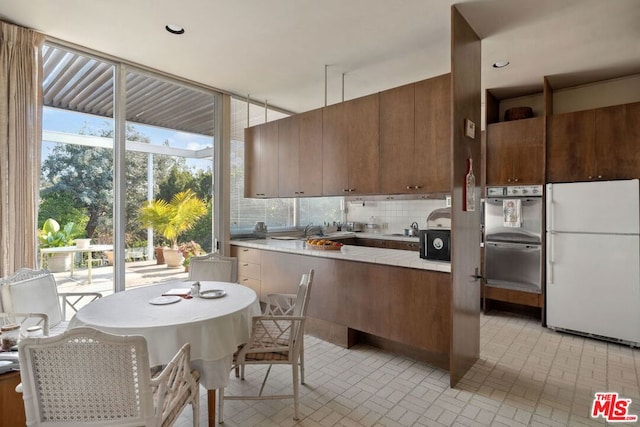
x=593 y=259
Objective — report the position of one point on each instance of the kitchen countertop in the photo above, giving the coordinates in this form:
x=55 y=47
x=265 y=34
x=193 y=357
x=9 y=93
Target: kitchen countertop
x=395 y=257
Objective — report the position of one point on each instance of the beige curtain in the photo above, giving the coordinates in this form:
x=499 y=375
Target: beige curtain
x=20 y=136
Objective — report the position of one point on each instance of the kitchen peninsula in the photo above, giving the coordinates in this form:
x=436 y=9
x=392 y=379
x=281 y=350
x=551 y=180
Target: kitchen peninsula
x=389 y=298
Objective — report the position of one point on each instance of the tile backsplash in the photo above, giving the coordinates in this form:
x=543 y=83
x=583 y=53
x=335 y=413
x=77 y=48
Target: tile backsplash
x=396 y=215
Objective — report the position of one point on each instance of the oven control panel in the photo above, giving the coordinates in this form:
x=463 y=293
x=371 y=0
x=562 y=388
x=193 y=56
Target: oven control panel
x=519 y=190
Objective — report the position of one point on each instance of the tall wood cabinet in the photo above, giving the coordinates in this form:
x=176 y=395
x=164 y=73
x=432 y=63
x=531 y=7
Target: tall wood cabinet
x=350 y=145
x=515 y=152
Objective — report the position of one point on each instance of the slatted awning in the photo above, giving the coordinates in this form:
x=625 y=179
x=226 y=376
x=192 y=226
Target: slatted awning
x=84 y=84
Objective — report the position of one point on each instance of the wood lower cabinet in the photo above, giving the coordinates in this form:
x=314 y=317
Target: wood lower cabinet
x=410 y=307
x=249 y=267
x=598 y=144
x=11 y=403
x=515 y=152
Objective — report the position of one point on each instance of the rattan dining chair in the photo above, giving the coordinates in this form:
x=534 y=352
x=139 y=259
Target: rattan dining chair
x=85 y=377
x=35 y=292
x=213 y=267
x=275 y=339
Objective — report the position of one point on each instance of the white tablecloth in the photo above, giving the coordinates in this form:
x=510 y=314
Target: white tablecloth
x=214 y=327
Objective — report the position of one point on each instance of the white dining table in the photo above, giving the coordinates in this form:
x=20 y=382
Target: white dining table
x=214 y=327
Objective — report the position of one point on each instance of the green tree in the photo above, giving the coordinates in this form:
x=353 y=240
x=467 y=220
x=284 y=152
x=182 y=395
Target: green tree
x=82 y=177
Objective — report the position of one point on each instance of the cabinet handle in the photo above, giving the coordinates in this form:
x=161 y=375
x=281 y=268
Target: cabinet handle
x=408 y=187
x=599 y=176
x=245 y=265
x=351 y=190
x=300 y=192
x=590 y=177
x=245 y=250
x=346 y=190
x=417 y=187
x=509 y=180
x=245 y=280
x=259 y=194
x=515 y=180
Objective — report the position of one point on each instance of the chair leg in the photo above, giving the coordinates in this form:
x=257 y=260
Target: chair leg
x=220 y=405
x=302 y=362
x=295 y=390
x=195 y=406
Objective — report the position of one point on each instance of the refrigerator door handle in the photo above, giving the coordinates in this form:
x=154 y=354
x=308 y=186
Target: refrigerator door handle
x=550 y=207
x=550 y=263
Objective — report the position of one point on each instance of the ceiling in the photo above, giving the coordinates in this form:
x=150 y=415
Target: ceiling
x=280 y=51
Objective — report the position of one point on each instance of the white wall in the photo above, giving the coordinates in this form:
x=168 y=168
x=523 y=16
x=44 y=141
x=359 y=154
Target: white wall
x=395 y=214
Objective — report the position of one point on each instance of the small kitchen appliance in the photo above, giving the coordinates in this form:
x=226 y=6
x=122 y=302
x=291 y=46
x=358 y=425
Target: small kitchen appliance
x=435 y=241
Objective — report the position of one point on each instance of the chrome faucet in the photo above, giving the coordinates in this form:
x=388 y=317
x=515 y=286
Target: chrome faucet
x=311 y=230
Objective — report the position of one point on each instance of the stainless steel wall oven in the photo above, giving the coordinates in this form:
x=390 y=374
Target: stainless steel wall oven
x=513 y=238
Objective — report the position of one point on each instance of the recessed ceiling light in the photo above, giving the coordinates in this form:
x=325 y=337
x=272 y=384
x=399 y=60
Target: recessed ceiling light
x=500 y=64
x=174 y=29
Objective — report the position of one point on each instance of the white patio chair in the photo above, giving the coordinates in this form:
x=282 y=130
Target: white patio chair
x=275 y=339
x=35 y=291
x=213 y=267
x=85 y=377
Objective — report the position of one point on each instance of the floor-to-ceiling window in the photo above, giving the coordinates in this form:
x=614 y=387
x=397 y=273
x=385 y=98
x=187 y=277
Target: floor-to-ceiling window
x=168 y=142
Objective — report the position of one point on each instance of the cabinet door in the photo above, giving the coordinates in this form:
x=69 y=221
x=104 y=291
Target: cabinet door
x=397 y=136
x=617 y=142
x=268 y=160
x=363 y=115
x=335 y=132
x=528 y=151
x=251 y=150
x=499 y=156
x=570 y=152
x=310 y=154
x=515 y=152
x=288 y=142
x=433 y=134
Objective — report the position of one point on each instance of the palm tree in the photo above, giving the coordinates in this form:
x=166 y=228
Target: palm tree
x=173 y=218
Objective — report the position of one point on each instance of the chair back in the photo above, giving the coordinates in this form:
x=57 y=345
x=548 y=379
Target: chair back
x=213 y=267
x=303 y=295
x=86 y=377
x=32 y=291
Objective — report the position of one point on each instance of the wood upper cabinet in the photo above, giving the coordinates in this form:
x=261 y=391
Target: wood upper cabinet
x=415 y=132
x=397 y=140
x=433 y=134
x=300 y=155
x=598 y=144
x=261 y=160
x=515 y=152
x=288 y=156
x=570 y=146
x=350 y=147
x=617 y=142
x=310 y=154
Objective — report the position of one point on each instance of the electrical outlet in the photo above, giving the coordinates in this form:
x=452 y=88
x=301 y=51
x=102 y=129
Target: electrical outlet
x=385 y=225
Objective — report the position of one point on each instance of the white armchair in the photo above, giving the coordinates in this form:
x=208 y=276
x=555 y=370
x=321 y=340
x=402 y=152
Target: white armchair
x=31 y=297
x=276 y=339
x=85 y=377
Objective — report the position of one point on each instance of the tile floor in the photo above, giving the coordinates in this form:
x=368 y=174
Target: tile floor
x=526 y=376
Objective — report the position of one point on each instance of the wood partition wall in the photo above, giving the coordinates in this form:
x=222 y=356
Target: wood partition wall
x=465 y=257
